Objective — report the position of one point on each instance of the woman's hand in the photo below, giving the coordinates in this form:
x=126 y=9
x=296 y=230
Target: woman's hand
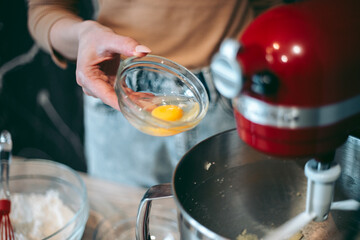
x=143 y=99
x=98 y=58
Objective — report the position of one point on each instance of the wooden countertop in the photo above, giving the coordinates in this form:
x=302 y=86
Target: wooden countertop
x=111 y=202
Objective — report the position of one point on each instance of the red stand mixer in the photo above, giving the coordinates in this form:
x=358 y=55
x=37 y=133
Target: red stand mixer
x=294 y=80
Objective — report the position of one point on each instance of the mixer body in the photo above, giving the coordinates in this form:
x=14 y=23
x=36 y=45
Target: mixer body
x=296 y=89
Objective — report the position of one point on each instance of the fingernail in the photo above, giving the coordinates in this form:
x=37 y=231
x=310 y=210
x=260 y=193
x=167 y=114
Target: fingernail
x=142 y=49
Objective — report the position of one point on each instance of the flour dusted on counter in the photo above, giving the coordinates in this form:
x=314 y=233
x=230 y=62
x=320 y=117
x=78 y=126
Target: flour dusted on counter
x=36 y=216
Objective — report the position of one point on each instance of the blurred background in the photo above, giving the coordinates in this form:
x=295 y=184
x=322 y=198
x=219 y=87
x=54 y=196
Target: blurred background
x=40 y=104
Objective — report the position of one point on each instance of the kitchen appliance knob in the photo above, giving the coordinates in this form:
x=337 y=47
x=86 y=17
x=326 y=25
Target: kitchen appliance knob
x=226 y=70
x=265 y=83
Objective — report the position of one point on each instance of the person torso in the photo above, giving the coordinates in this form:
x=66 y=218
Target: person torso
x=186 y=31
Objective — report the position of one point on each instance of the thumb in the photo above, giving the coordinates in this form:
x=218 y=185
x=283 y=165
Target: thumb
x=128 y=47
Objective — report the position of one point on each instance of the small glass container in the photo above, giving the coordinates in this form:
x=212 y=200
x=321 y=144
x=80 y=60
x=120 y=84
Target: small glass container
x=144 y=84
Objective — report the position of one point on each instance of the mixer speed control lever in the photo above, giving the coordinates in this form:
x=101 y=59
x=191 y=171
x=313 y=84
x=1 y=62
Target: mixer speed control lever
x=264 y=83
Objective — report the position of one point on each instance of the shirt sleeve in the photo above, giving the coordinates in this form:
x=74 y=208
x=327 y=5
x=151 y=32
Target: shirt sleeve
x=42 y=14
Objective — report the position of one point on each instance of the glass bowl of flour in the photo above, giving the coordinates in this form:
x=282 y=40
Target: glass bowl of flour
x=48 y=201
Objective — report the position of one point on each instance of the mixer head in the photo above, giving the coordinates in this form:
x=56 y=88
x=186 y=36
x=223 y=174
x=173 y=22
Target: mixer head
x=294 y=79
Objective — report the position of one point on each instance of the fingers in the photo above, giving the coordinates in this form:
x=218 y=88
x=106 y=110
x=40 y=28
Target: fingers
x=142 y=99
x=105 y=92
x=98 y=59
x=96 y=84
x=106 y=42
x=127 y=46
x=141 y=50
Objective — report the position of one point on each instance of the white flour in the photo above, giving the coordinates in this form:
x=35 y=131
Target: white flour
x=36 y=216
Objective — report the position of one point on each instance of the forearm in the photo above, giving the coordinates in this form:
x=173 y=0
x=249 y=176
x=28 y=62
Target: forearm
x=65 y=35
x=43 y=15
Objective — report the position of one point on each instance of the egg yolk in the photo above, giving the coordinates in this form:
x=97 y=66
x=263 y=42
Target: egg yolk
x=167 y=112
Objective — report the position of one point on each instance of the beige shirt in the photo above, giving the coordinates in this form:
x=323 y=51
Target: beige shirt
x=185 y=31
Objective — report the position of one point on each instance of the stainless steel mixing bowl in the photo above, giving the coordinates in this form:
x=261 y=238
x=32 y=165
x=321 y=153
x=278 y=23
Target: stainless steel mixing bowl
x=223 y=186
x=348 y=156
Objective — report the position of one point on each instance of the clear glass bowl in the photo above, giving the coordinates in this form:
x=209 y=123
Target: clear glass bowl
x=40 y=176
x=142 y=84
